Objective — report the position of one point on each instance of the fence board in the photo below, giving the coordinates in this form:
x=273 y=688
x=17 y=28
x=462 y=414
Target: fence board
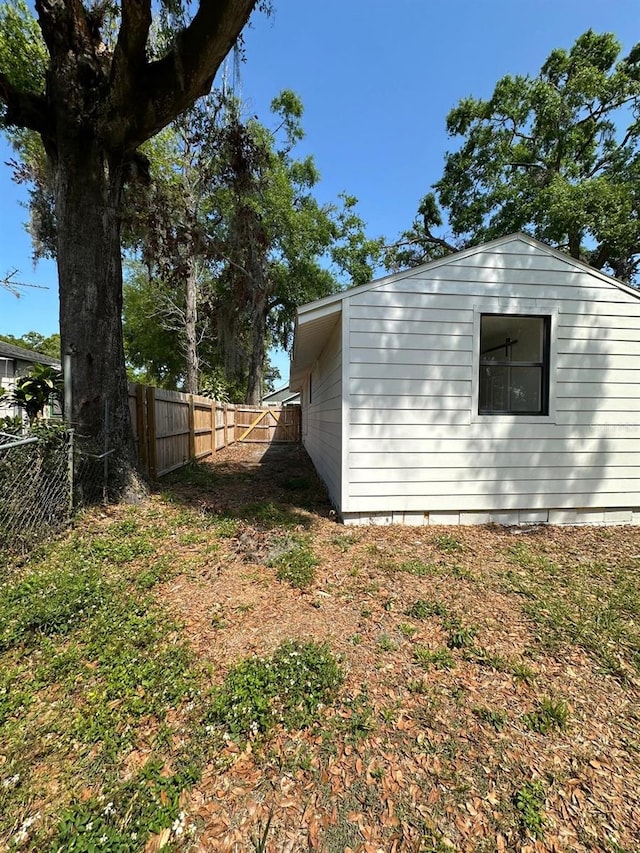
x=171 y=428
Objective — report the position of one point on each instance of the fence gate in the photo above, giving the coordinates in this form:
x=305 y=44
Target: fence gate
x=268 y=424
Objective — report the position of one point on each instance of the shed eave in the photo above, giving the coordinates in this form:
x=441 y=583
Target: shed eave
x=314 y=325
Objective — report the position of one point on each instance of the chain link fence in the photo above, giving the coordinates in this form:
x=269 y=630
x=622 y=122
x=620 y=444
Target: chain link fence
x=44 y=478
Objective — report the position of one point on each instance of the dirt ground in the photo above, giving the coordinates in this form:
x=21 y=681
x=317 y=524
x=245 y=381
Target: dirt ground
x=417 y=756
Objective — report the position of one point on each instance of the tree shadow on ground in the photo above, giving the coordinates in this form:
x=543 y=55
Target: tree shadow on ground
x=267 y=487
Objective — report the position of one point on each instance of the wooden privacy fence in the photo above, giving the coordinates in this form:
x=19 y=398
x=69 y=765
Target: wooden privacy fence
x=172 y=428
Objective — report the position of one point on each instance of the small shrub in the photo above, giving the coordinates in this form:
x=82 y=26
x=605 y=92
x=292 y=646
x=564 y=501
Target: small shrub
x=287 y=688
x=422 y=609
x=529 y=801
x=550 y=714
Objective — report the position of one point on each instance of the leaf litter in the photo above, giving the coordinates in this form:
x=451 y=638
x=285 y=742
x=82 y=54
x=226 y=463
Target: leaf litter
x=410 y=764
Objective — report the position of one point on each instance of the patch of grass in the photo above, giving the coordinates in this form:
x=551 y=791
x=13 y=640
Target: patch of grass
x=144 y=806
x=85 y=658
x=547 y=715
x=51 y=601
x=296 y=562
x=386 y=644
x=423 y=609
x=529 y=801
x=495 y=718
x=344 y=541
x=226 y=527
x=523 y=672
x=592 y=605
x=440 y=658
x=355 y=718
x=158 y=572
x=462 y=573
x=406 y=629
x=418 y=568
x=271 y=515
x=286 y=688
x=486 y=657
x=459 y=636
x=448 y=544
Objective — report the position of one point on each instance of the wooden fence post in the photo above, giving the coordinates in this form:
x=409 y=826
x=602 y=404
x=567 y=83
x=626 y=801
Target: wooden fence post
x=152 y=450
x=141 y=427
x=226 y=426
x=213 y=427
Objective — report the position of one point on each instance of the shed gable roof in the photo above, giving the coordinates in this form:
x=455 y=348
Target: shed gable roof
x=315 y=320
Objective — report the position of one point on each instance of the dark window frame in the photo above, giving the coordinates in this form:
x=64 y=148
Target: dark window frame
x=544 y=365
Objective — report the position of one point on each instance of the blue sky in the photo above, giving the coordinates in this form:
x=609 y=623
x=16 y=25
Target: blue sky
x=377 y=79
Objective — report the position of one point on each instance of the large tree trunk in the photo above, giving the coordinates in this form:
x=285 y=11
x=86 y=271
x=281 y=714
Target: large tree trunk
x=88 y=184
x=258 y=334
x=190 y=323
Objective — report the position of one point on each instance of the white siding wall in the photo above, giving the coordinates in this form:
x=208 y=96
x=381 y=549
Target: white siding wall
x=415 y=445
x=322 y=418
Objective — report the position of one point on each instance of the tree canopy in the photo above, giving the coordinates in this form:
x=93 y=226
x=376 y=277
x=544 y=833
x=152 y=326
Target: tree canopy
x=556 y=155
x=232 y=239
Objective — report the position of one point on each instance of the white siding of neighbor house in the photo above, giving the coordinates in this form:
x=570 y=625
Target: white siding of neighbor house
x=322 y=417
x=417 y=451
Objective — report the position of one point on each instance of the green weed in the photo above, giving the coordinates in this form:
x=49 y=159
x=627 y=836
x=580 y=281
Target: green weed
x=549 y=714
x=226 y=527
x=440 y=658
x=386 y=644
x=495 y=718
x=286 y=688
x=295 y=563
x=448 y=544
x=529 y=801
x=418 y=568
x=460 y=636
x=423 y=609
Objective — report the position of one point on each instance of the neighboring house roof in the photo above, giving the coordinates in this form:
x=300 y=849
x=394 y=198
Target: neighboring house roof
x=22 y=354
x=318 y=318
x=281 y=395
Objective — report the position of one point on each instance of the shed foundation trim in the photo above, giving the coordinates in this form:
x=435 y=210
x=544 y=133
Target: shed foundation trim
x=515 y=517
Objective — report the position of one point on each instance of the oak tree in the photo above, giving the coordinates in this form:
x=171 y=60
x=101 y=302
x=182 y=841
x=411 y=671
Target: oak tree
x=94 y=93
x=556 y=155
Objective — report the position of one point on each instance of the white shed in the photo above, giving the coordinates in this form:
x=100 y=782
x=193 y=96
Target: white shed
x=498 y=384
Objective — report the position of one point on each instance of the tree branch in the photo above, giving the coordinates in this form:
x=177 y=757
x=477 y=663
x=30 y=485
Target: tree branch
x=170 y=85
x=130 y=52
x=25 y=109
x=64 y=27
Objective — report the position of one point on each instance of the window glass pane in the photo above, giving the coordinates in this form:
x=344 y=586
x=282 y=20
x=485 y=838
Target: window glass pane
x=526 y=389
x=505 y=388
x=494 y=389
x=511 y=338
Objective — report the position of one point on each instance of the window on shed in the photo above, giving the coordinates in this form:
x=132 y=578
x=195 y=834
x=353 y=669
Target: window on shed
x=514 y=365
